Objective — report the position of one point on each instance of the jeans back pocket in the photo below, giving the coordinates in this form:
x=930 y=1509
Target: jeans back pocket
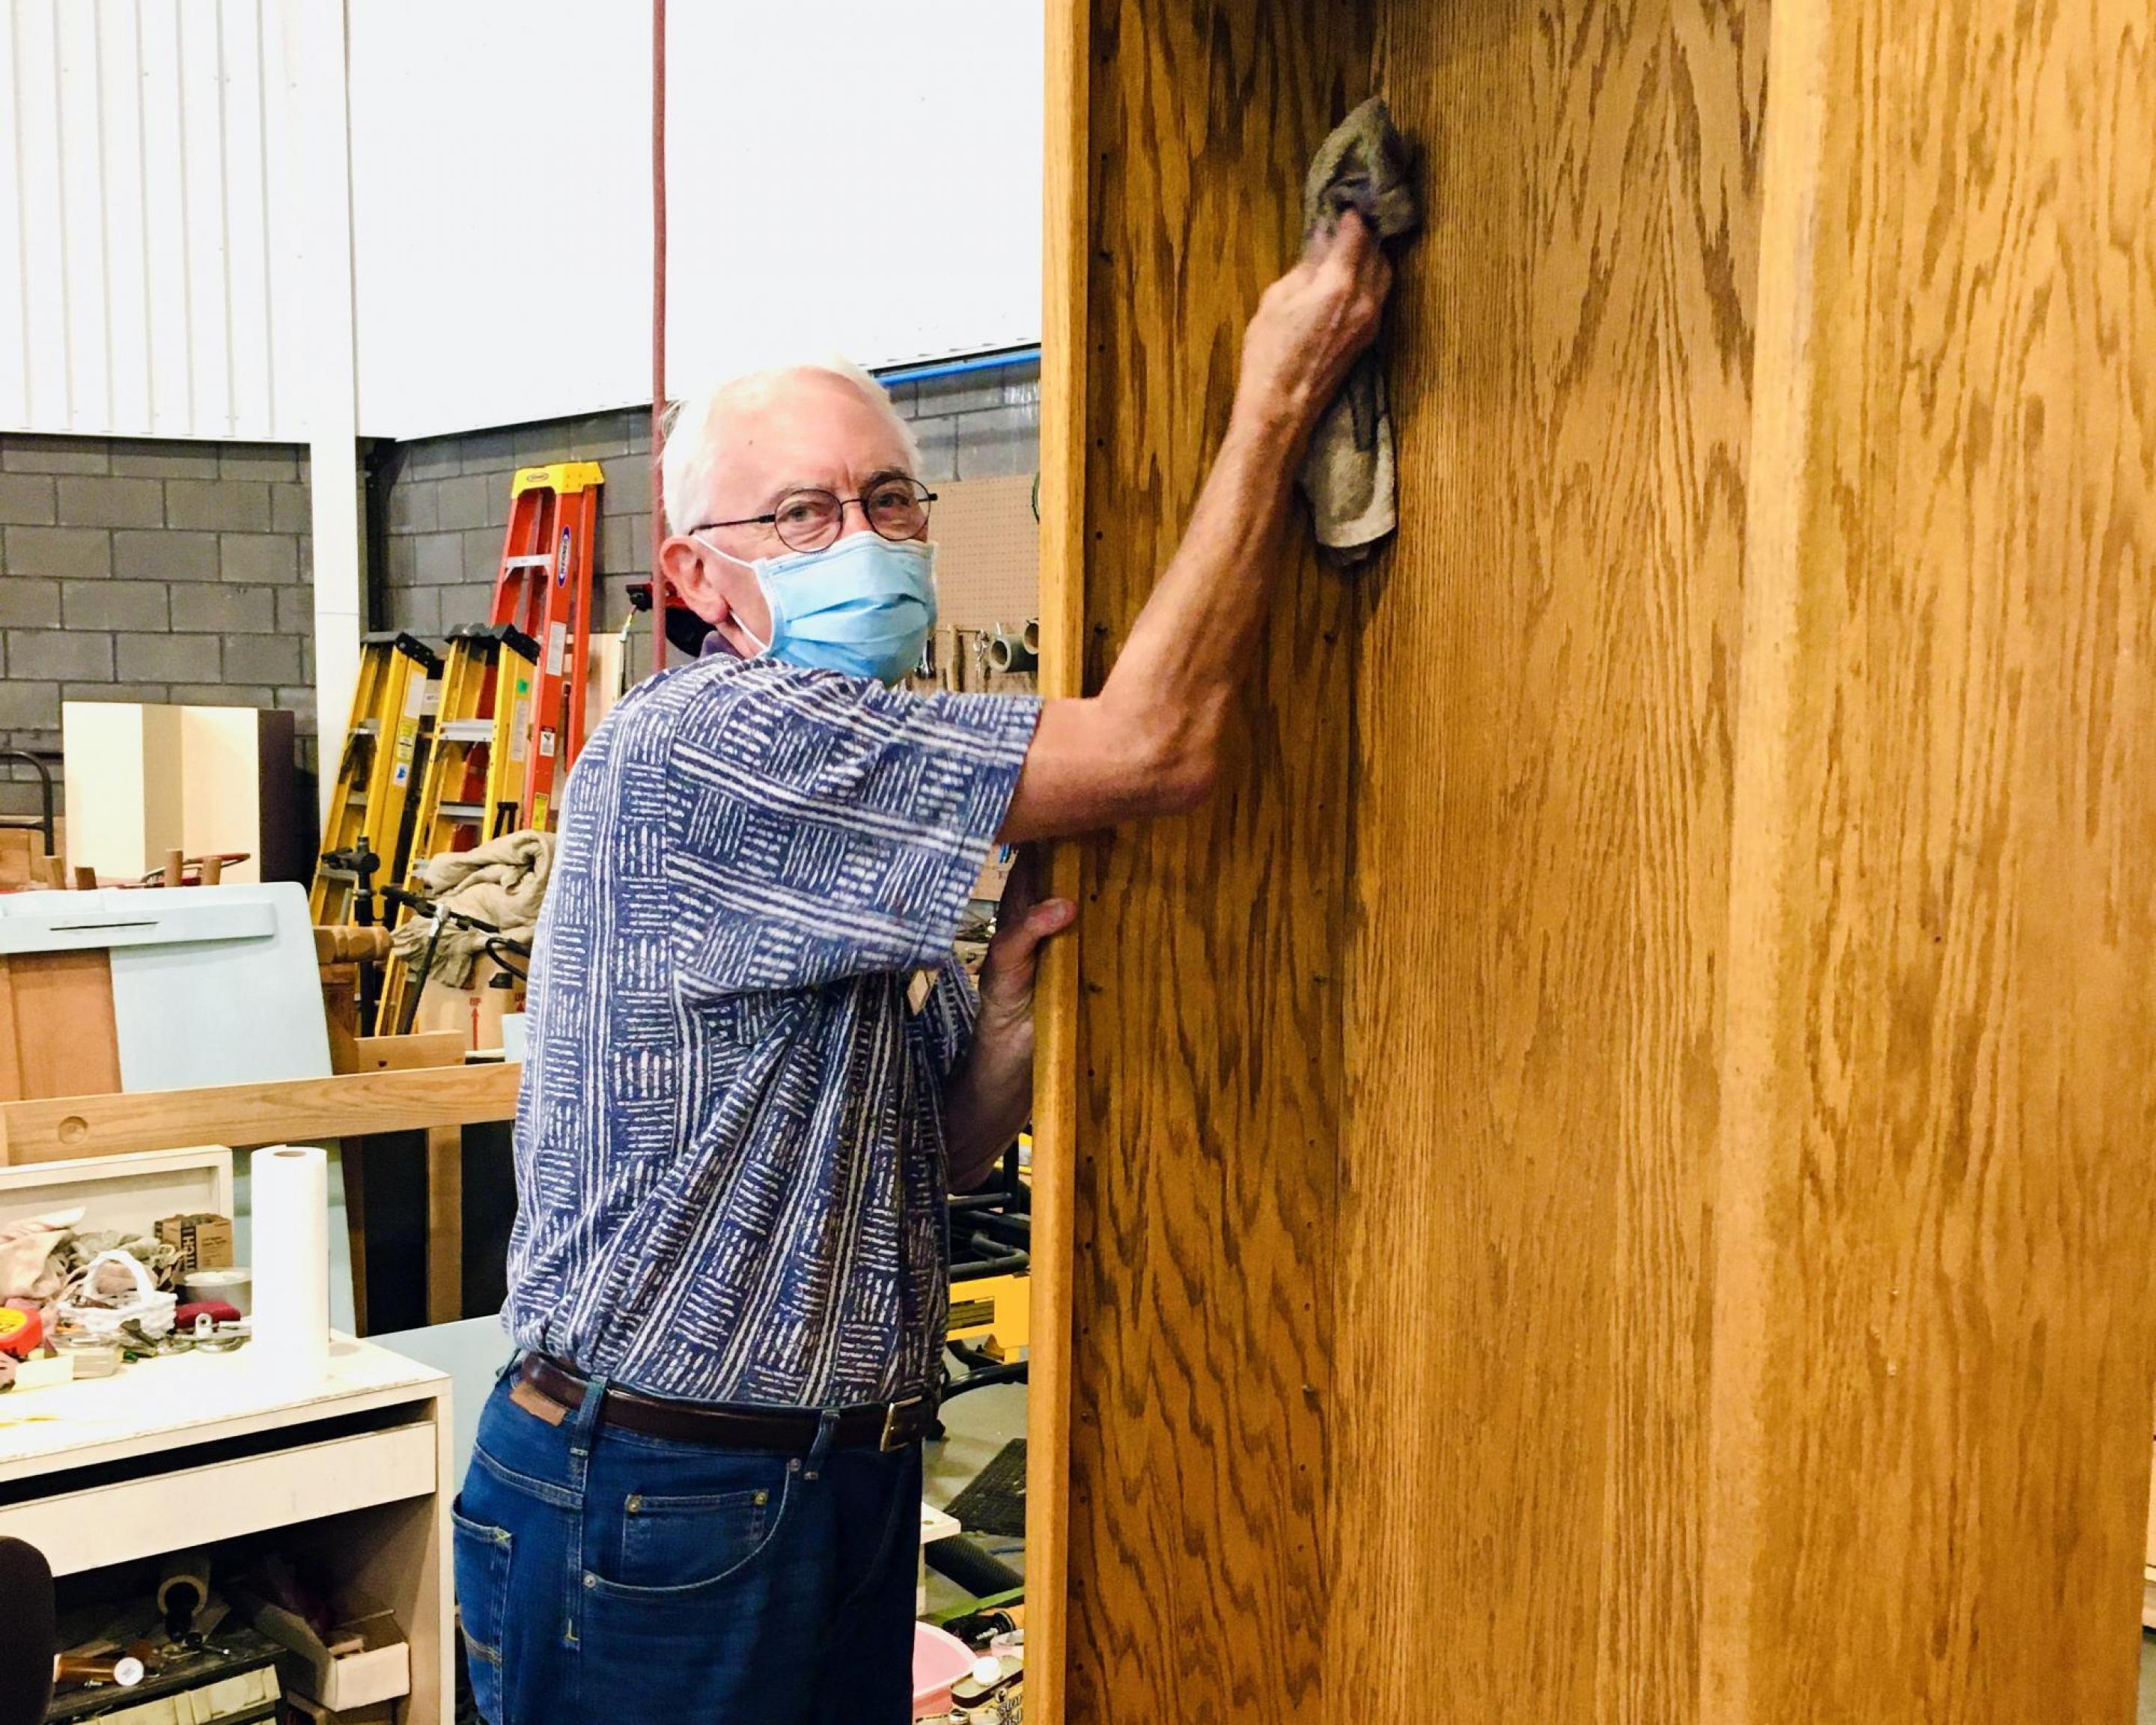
x=670 y=1541
x=482 y=1555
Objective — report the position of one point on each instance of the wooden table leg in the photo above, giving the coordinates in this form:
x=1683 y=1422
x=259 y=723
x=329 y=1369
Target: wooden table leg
x=446 y=1223
x=352 y=1156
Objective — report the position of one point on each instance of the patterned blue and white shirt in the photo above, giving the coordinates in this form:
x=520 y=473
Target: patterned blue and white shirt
x=730 y=1158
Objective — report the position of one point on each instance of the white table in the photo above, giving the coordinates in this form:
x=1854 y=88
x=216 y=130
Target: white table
x=176 y=1453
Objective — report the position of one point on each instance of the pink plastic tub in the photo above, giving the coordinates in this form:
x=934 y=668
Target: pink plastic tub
x=940 y=1659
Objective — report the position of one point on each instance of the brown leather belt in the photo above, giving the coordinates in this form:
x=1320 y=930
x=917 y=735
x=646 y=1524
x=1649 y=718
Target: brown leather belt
x=866 y=1425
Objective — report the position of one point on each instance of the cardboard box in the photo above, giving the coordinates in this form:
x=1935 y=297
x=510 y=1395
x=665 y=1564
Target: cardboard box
x=204 y=1241
x=379 y=1670
x=995 y=872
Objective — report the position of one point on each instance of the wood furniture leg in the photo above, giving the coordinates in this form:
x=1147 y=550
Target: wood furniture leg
x=446 y=1223
x=352 y=1158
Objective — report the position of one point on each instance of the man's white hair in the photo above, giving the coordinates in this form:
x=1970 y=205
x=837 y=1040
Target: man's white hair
x=696 y=452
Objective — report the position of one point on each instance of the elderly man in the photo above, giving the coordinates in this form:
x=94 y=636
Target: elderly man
x=694 y=1496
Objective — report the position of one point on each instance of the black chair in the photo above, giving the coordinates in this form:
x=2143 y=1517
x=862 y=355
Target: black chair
x=27 y=1652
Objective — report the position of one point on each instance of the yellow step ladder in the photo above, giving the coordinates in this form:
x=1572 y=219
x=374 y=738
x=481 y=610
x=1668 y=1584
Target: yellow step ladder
x=393 y=707
x=473 y=788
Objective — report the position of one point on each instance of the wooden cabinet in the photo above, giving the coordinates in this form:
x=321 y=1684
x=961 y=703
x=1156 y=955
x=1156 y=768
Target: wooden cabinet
x=1605 y=1177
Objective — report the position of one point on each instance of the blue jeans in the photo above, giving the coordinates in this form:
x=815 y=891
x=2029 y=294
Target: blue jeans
x=606 y=1575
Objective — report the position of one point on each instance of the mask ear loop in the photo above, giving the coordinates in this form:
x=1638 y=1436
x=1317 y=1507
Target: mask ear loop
x=762 y=587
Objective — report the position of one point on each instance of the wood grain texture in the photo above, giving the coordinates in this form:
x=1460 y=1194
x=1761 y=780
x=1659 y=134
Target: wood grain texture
x=1932 y=1327
x=56 y=1014
x=1065 y=261
x=1208 y=1019
x=1607 y=1179
x=292 y=1110
x=446 y=1223
x=1544 y=736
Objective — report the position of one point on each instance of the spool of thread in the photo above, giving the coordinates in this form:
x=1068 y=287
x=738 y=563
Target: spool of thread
x=182 y=1589
x=123 y=1671
x=1010 y=653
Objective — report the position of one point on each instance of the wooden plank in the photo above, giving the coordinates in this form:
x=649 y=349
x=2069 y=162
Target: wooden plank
x=445 y=1225
x=1934 y=1325
x=1062 y=607
x=397 y=1053
x=296 y=1109
x=1204 y=1147
x=66 y=1043
x=352 y=1157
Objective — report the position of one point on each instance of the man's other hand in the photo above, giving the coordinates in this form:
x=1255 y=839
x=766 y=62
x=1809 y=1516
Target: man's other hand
x=1310 y=326
x=1024 y=920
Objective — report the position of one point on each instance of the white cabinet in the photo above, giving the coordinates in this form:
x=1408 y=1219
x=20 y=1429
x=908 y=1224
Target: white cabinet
x=192 y=1450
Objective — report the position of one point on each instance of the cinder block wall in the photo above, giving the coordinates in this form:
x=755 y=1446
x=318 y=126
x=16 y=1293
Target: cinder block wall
x=150 y=571
x=181 y=572
x=447 y=498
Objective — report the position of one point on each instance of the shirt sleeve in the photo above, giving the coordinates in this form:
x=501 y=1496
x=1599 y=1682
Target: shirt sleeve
x=828 y=828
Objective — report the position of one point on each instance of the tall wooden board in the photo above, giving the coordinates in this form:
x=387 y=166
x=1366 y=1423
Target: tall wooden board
x=1208 y=1010
x=1933 y=1320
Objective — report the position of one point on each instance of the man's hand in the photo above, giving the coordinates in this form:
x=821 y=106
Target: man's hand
x=989 y=1097
x=1151 y=741
x=1024 y=920
x=1310 y=326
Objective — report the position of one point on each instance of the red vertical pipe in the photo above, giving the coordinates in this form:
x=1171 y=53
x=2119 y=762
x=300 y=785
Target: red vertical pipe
x=657 y=326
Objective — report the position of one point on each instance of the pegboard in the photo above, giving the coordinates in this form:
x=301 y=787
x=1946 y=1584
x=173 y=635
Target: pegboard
x=987 y=553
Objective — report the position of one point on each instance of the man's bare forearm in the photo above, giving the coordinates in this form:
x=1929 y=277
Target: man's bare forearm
x=1194 y=642
x=986 y=1104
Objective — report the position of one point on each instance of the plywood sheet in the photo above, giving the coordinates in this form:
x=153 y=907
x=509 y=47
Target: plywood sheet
x=121 y=761
x=56 y=1023
x=1544 y=721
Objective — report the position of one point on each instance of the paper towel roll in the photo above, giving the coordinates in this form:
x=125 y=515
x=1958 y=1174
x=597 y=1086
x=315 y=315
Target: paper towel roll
x=290 y=1196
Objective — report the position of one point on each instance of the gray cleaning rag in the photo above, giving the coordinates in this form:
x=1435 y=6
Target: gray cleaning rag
x=1348 y=472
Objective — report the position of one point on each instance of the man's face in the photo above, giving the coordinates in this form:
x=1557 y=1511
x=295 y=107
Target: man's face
x=813 y=432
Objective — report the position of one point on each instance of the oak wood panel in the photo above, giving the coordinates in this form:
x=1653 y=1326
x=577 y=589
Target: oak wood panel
x=1066 y=254
x=1933 y=1326
x=1208 y=1019
x=446 y=1223
x=1545 y=724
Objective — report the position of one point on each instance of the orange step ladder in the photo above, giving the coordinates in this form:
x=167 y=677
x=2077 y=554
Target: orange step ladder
x=544 y=589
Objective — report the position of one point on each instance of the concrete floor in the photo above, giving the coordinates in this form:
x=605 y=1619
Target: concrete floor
x=977 y=1426
x=2146 y=1714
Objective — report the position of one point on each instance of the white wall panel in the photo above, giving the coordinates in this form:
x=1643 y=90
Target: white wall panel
x=844 y=176
x=501 y=194
x=144 y=261
x=851 y=177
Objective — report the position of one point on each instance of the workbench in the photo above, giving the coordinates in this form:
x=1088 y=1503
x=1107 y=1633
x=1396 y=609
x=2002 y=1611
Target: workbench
x=176 y=1453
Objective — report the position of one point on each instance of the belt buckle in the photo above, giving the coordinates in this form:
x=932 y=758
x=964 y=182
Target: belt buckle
x=892 y=1438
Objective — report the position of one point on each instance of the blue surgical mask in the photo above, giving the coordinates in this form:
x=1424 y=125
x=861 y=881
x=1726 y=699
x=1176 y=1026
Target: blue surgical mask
x=864 y=606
